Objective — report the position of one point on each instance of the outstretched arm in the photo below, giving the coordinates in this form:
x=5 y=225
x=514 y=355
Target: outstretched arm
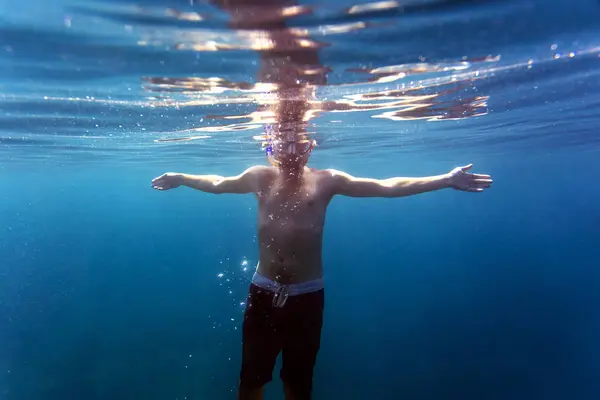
x=458 y=178
x=246 y=182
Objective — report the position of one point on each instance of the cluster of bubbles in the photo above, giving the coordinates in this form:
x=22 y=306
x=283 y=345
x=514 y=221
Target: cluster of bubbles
x=238 y=276
x=234 y=281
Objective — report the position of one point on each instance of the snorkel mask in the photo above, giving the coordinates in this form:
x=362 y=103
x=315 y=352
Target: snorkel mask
x=276 y=145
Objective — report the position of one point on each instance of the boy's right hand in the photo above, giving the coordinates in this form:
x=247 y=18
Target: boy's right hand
x=167 y=181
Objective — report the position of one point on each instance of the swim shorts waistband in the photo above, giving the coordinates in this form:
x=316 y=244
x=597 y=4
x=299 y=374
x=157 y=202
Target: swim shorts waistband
x=294 y=289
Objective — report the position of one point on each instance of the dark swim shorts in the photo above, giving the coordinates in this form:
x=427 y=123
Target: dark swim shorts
x=294 y=329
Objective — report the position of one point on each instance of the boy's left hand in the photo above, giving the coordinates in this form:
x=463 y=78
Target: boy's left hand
x=460 y=179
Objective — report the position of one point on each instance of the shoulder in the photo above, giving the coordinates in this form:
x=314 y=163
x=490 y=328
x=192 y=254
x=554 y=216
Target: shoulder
x=333 y=178
x=260 y=175
x=334 y=175
x=260 y=170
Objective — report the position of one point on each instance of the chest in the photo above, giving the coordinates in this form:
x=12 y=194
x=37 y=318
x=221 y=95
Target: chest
x=283 y=197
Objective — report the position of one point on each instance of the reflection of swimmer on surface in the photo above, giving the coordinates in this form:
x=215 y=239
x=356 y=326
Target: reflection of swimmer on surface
x=285 y=305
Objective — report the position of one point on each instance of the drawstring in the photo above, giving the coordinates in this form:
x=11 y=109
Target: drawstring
x=281 y=296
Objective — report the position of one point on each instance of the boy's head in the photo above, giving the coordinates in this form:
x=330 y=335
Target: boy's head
x=288 y=150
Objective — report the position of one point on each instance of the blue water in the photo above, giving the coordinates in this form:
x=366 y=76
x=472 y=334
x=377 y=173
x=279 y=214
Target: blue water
x=110 y=290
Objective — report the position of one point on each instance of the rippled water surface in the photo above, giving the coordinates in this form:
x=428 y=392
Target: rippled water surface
x=160 y=80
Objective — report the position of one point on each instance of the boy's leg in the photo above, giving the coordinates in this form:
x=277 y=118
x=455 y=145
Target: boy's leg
x=304 y=320
x=261 y=343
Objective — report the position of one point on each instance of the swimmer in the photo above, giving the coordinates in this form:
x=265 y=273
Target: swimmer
x=284 y=310
x=285 y=303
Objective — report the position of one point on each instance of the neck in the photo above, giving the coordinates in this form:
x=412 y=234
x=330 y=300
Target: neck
x=292 y=173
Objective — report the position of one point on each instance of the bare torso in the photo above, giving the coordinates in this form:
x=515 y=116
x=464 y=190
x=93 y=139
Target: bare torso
x=291 y=216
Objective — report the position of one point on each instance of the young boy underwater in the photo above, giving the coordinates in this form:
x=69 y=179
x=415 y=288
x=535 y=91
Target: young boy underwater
x=285 y=303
